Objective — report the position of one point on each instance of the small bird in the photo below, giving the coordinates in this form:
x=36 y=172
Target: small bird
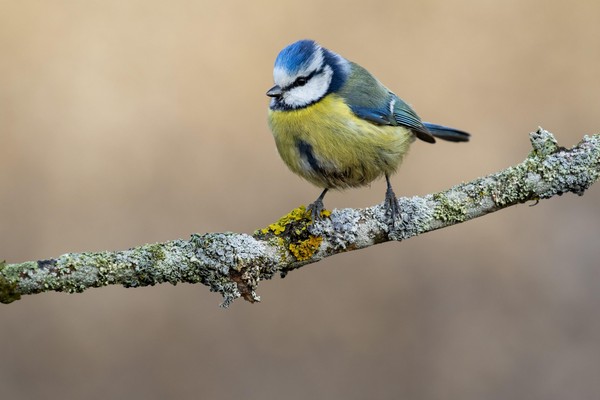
x=337 y=126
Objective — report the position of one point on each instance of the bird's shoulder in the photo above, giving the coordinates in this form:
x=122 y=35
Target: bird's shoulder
x=369 y=99
x=362 y=90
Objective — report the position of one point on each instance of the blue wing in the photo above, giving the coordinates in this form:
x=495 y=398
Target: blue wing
x=370 y=100
x=377 y=116
x=394 y=112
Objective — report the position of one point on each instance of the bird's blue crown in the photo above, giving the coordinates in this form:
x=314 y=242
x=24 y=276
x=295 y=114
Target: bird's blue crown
x=297 y=56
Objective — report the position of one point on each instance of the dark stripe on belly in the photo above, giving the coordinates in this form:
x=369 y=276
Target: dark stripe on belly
x=306 y=152
x=332 y=178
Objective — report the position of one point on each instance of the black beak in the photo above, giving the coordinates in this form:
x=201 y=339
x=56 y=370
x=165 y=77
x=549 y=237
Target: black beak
x=275 y=91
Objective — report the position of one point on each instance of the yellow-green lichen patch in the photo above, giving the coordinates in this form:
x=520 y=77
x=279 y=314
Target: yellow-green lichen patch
x=156 y=252
x=325 y=213
x=449 y=209
x=296 y=215
x=291 y=234
x=304 y=250
x=516 y=184
x=8 y=287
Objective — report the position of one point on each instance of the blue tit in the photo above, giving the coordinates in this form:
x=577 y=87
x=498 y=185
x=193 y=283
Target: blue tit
x=337 y=126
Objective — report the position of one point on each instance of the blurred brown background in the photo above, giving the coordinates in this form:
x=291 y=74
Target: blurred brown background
x=129 y=122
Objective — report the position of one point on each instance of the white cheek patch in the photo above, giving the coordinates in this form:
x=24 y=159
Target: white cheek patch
x=315 y=88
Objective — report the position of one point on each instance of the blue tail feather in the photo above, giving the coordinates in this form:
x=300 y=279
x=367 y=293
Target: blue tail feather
x=446 y=133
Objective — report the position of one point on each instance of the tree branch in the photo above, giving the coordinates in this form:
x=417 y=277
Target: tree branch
x=233 y=264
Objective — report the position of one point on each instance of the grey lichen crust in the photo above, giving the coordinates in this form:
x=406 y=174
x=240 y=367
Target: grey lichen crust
x=234 y=264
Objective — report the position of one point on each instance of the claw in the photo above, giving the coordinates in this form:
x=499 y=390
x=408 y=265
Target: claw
x=315 y=210
x=316 y=207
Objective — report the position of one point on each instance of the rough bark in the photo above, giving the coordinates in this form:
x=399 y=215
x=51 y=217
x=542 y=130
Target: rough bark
x=233 y=264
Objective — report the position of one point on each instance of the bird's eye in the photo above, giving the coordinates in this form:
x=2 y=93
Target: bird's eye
x=300 y=81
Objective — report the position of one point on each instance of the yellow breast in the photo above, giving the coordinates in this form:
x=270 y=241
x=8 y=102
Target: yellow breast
x=327 y=144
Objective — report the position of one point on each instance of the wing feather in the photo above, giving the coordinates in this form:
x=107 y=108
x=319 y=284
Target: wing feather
x=372 y=101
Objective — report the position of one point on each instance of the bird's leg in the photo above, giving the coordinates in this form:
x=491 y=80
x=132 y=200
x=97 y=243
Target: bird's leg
x=316 y=207
x=391 y=202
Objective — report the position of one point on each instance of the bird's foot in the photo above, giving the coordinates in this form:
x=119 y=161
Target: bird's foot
x=392 y=210
x=315 y=210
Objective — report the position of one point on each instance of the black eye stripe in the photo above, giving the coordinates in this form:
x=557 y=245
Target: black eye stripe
x=303 y=80
x=300 y=81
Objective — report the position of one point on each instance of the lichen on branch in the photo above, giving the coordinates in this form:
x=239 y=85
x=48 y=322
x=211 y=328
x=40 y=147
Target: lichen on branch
x=234 y=264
